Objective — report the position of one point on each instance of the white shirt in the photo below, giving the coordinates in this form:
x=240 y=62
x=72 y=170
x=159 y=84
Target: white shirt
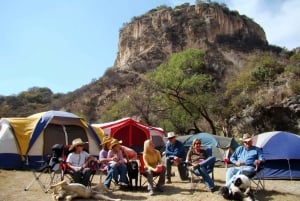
x=77 y=159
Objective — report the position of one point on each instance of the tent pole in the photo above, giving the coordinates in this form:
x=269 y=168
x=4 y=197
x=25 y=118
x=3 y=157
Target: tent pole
x=66 y=134
x=290 y=169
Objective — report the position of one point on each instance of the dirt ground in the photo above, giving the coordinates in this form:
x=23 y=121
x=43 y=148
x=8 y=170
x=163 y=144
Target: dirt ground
x=12 y=184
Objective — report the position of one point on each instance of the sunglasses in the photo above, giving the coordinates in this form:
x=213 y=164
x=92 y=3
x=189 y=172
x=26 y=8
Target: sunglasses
x=197 y=143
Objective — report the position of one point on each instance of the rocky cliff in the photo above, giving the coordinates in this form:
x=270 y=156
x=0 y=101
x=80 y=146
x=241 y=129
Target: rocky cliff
x=148 y=40
x=145 y=42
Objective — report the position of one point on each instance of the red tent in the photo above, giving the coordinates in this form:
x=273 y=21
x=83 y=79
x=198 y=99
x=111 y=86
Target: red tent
x=132 y=133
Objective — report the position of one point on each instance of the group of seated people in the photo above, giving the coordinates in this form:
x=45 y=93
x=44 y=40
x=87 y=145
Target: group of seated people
x=113 y=157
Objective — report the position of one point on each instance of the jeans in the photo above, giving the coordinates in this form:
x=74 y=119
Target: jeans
x=121 y=170
x=204 y=168
x=233 y=171
x=82 y=177
x=183 y=173
x=161 y=180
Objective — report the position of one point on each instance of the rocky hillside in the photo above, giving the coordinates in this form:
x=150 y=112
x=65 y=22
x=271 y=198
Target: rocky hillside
x=230 y=40
x=149 y=39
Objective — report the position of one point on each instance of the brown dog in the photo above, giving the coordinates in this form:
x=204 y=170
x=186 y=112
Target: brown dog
x=75 y=190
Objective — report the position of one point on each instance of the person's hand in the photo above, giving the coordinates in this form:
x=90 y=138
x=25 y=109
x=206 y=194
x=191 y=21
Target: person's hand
x=257 y=162
x=239 y=163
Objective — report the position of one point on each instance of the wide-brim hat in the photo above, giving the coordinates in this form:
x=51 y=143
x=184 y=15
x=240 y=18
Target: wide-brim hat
x=106 y=140
x=115 y=142
x=171 y=135
x=76 y=142
x=246 y=137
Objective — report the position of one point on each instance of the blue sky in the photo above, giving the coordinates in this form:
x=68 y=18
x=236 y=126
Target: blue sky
x=65 y=44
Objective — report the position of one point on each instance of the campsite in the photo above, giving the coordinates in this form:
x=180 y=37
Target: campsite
x=13 y=183
x=25 y=142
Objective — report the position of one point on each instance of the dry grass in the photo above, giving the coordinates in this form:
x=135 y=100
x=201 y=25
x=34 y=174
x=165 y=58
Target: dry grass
x=13 y=183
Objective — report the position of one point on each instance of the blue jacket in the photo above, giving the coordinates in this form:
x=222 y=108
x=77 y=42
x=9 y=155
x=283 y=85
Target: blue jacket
x=175 y=150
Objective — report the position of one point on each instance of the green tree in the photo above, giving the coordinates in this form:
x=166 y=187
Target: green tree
x=185 y=90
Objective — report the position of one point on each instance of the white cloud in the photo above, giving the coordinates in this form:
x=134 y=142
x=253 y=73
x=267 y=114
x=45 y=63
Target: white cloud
x=277 y=17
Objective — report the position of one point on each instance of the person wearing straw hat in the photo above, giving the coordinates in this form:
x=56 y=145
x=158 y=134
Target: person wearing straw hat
x=175 y=155
x=117 y=163
x=78 y=161
x=246 y=159
x=104 y=160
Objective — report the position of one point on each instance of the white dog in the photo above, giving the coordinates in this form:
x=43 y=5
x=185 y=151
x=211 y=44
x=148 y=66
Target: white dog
x=75 y=190
x=240 y=189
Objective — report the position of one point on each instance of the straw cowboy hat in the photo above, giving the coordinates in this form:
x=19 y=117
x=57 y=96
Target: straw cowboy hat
x=76 y=142
x=171 y=135
x=115 y=142
x=246 y=137
x=106 y=140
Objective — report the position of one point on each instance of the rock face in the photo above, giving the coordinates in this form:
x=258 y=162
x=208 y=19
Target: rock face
x=149 y=39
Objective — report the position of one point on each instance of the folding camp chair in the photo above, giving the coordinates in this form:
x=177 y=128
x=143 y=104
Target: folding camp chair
x=257 y=178
x=66 y=172
x=48 y=173
x=142 y=172
x=210 y=168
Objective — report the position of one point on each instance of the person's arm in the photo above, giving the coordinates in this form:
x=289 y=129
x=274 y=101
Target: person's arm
x=260 y=157
x=169 y=152
x=234 y=156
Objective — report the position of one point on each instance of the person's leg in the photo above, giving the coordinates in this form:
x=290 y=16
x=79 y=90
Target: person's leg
x=207 y=180
x=210 y=161
x=230 y=175
x=161 y=180
x=76 y=176
x=149 y=176
x=109 y=177
x=123 y=173
x=86 y=173
x=183 y=172
x=169 y=168
x=115 y=172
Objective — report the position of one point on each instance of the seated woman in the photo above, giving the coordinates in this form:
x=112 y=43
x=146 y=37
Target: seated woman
x=78 y=161
x=117 y=163
x=199 y=160
x=104 y=160
x=153 y=164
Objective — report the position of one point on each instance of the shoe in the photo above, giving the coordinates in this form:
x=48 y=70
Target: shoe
x=123 y=184
x=168 y=181
x=212 y=189
x=151 y=192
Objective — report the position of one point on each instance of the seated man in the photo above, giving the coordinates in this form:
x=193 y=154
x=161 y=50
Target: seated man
x=246 y=159
x=200 y=162
x=78 y=161
x=175 y=155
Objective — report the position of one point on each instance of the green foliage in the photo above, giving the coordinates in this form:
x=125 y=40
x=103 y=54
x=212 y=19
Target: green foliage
x=186 y=90
x=267 y=69
x=295 y=86
x=294 y=66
